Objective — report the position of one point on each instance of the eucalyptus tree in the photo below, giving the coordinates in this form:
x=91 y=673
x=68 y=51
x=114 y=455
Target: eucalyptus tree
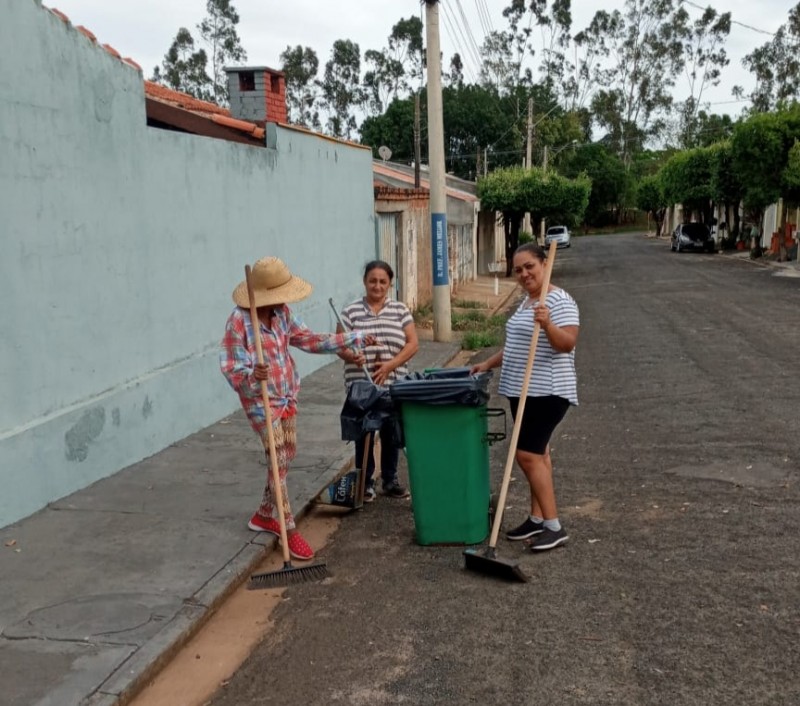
x=776 y=65
x=455 y=77
x=300 y=66
x=539 y=26
x=500 y=68
x=396 y=69
x=218 y=32
x=637 y=55
x=184 y=67
x=341 y=87
x=704 y=58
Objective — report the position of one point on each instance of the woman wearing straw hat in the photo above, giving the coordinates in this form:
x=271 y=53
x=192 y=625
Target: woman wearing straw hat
x=274 y=286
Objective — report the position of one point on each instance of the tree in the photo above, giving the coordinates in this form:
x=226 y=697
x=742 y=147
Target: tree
x=704 y=58
x=650 y=198
x=513 y=191
x=341 y=87
x=726 y=186
x=184 y=67
x=686 y=179
x=218 y=31
x=608 y=177
x=499 y=68
x=711 y=128
x=300 y=66
x=776 y=65
x=455 y=78
x=761 y=148
x=395 y=129
x=646 y=53
x=382 y=80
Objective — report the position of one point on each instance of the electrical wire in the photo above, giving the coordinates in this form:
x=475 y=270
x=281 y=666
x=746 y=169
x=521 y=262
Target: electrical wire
x=733 y=22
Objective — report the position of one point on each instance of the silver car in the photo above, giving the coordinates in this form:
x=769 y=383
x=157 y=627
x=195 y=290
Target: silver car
x=558 y=233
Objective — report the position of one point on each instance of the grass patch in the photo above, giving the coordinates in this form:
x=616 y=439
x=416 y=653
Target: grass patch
x=468 y=320
x=473 y=340
x=478 y=330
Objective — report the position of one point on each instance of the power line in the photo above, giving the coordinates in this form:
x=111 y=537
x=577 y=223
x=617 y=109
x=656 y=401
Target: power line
x=733 y=22
x=465 y=58
x=481 y=19
x=471 y=53
x=468 y=29
x=488 y=15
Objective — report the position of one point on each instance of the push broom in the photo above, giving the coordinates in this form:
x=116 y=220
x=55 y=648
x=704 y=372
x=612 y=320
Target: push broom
x=288 y=574
x=486 y=561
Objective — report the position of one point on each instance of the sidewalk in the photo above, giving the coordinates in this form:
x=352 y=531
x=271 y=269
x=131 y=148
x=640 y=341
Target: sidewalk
x=102 y=587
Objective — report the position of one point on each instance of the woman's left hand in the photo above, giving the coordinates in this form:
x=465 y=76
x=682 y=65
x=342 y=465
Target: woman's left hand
x=382 y=372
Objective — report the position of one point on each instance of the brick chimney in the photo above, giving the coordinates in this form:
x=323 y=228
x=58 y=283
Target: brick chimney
x=257 y=94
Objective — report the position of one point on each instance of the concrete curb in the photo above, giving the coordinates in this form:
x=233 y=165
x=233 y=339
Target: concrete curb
x=130 y=678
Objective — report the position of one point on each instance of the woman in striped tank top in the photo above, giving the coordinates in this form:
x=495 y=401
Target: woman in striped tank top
x=552 y=388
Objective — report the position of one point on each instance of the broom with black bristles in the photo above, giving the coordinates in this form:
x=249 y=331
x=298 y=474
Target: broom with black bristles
x=288 y=574
x=486 y=561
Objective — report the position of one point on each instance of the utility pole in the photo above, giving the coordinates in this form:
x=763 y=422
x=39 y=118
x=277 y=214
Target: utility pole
x=438 y=195
x=529 y=160
x=417 y=146
x=544 y=169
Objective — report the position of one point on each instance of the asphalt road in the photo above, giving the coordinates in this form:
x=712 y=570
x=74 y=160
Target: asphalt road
x=677 y=479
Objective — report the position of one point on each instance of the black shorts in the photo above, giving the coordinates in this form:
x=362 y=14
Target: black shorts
x=539 y=419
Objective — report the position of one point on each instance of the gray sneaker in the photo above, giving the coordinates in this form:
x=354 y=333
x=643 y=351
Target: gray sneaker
x=395 y=490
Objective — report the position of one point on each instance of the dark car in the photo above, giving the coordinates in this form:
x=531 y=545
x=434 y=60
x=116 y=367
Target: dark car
x=692 y=236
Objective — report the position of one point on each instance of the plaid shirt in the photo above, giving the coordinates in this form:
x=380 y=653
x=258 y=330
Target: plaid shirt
x=237 y=359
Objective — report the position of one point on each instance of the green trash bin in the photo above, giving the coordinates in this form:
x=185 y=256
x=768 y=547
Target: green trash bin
x=446 y=428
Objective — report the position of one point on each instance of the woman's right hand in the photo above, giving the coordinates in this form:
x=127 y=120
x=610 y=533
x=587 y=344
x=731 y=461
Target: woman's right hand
x=355 y=357
x=261 y=372
x=479 y=368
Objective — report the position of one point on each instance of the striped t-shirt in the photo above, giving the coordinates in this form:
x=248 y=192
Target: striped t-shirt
x=387 y=326
x=553 y=372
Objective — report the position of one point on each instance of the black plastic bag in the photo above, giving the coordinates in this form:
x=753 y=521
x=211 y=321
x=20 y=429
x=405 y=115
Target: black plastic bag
x=368 y=408
x=443 y=386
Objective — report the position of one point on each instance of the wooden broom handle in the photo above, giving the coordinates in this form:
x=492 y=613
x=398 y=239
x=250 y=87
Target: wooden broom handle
x=273 y=454
x=512 y=448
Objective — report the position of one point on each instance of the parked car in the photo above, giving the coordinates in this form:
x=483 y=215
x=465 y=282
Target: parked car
x=692 y=236
x=558 y=233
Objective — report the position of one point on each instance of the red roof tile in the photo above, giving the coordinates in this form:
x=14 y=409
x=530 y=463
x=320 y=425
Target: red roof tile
x=182 y=100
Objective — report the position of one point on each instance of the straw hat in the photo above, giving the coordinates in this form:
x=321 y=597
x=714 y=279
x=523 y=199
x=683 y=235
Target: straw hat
x=272 y=284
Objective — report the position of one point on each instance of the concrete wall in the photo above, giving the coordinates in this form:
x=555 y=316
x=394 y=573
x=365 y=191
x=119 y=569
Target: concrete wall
x=122 y=244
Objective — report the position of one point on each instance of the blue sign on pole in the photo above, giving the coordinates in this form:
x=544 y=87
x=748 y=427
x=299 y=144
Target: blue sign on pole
x=439 y=245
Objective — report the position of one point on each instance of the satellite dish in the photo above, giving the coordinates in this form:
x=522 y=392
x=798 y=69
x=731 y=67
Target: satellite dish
x=384 y=152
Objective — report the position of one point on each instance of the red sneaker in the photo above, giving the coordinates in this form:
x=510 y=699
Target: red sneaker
x=299 y=548
x=264 y=524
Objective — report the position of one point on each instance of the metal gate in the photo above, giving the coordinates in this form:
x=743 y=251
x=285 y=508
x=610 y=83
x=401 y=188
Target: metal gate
x=387 y=226
x=462 y=255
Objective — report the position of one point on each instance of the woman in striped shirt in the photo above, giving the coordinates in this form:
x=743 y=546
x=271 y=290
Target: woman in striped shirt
x=391 y=323
x=552 y=388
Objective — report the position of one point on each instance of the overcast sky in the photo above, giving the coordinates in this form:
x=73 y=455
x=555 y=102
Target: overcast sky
x=144 y=29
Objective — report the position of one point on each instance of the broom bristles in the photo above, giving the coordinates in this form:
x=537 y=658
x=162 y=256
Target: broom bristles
x=487 y=563
x=288 y=575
